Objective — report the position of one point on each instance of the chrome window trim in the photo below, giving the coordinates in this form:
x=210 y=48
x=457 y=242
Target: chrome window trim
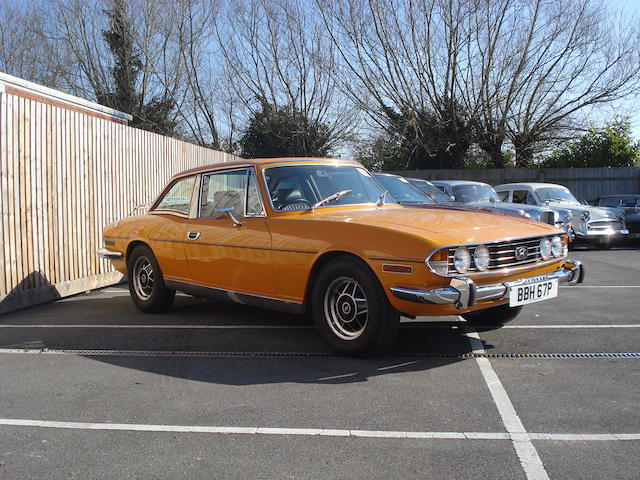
x=247 y=169
x=502 y=270
x=246 y=197
x=163 y=193
x=346 y=164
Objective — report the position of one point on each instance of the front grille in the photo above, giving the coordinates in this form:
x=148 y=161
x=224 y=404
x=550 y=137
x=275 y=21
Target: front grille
x=605 y=225
x=503 y=254
x=548 y=217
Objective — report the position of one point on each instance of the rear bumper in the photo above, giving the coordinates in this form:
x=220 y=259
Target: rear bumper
x=463 y=292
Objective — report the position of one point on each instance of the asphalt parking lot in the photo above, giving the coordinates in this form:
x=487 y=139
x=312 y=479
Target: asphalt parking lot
x=91 y=388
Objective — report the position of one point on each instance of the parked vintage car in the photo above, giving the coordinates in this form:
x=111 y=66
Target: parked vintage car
x=628 y=203
x=595 y=224
x=321 y=235
x=409 y=195
x=483 y=195
x=431 y=190
x=632 y=222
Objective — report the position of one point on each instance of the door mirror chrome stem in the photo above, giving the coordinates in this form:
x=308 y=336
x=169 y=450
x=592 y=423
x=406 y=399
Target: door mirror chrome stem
x=229 y=212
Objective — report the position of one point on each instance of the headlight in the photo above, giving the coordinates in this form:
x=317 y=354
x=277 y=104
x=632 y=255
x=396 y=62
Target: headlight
x=481 y=257
x=557 y=247
x=545 y=248
x=461 y=259
x=569 y=217
x=585 y=215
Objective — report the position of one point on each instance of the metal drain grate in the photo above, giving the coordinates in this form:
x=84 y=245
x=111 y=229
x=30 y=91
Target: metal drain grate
x=161 y=353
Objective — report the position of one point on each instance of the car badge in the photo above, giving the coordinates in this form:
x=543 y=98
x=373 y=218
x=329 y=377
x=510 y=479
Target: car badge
x=521 y=253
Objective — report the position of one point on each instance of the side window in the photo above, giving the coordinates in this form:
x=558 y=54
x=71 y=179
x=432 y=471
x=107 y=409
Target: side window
x=233 y=190
x=523 y=196
x=503 y=196
x=178 y=198
x=254 y=204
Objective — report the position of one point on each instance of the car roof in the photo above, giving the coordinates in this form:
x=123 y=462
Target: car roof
x=454 y=183
x=534 y=185
x=619 y=195
x=252 y=162
x=413 y=179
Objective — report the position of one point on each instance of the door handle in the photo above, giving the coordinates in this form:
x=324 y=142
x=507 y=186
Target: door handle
x=193 y=235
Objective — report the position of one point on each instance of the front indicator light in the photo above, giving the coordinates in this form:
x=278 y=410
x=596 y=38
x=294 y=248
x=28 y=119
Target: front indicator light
x=545 y=248
x=439 y=262
x=481 y=257
x=557 y=247
x=462 y=259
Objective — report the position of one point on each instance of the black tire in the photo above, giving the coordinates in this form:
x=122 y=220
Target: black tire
x=340 y=315
x=494 y=316
x=146 y=284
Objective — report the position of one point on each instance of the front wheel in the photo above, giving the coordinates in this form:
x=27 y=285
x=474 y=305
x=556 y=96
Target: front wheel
x=146 y=285
x=493 y=316
x=351 y=309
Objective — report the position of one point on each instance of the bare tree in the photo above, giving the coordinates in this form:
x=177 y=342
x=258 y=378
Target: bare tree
x=277 y=54
x=22 y=52
x=521 y=70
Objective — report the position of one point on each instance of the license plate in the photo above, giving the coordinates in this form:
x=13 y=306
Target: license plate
x=533 y=292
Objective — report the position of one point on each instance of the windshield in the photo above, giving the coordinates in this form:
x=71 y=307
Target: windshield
x=557 y=194
x=402 y=190
x=431 y=190
x=299 y=187
x=474 y=193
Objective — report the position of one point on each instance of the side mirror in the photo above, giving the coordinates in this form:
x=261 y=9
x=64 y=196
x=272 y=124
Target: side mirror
x=228 y=211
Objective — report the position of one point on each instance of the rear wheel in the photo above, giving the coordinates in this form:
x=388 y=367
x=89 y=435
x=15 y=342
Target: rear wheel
x=146 y=285
x=493 y=316
x=351 y=309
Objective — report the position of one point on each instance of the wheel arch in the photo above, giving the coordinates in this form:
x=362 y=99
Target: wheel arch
x=323 y=260
x=130 y=247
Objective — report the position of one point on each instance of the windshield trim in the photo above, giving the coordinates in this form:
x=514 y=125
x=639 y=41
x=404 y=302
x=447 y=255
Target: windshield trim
x=562 y=200
x=306 y=164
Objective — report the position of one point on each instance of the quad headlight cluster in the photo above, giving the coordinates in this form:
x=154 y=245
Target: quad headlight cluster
x=462 y=259
x=479 y=256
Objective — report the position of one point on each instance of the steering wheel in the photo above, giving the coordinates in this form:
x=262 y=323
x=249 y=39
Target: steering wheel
x=298 y=204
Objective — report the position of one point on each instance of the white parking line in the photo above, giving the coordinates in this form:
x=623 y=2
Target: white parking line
x=599 y=286
x=186 y=327
x=137 y=427
x=635 y=325
x=453 y=326
x=527 y=454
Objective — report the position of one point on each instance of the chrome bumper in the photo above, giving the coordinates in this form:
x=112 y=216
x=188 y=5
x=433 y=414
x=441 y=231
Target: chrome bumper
x=463 y=292
x=104 y=253
x=601 y=233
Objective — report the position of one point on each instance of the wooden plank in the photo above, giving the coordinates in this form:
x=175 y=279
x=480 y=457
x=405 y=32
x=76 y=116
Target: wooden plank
x=14 y=189
x=5 y=274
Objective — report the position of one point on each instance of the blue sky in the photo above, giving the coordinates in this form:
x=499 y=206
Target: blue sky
x=631 y=107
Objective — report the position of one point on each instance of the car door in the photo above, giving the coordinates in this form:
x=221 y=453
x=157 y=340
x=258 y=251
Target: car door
x=228 y=244
x=165 y=233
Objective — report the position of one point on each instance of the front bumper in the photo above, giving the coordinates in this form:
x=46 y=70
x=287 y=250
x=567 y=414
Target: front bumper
x=601 y=233
x=105 y=253
x=463 y=292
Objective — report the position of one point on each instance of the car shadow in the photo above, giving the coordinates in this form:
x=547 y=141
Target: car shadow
x=217 y=342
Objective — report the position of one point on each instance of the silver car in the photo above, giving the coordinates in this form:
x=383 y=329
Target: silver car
x=483 y=195
x=599 y=224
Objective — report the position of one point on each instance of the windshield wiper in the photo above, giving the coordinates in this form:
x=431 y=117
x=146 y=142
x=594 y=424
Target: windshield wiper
x=382 y=198
x=330 y=198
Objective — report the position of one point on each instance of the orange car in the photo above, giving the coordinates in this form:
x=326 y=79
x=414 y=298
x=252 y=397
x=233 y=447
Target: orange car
x=322 y=235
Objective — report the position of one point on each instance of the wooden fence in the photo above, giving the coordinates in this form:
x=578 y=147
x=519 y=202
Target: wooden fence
x=63 y=176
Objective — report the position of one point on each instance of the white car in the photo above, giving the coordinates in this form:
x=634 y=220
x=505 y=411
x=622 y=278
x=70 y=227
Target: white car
x=591 y=223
